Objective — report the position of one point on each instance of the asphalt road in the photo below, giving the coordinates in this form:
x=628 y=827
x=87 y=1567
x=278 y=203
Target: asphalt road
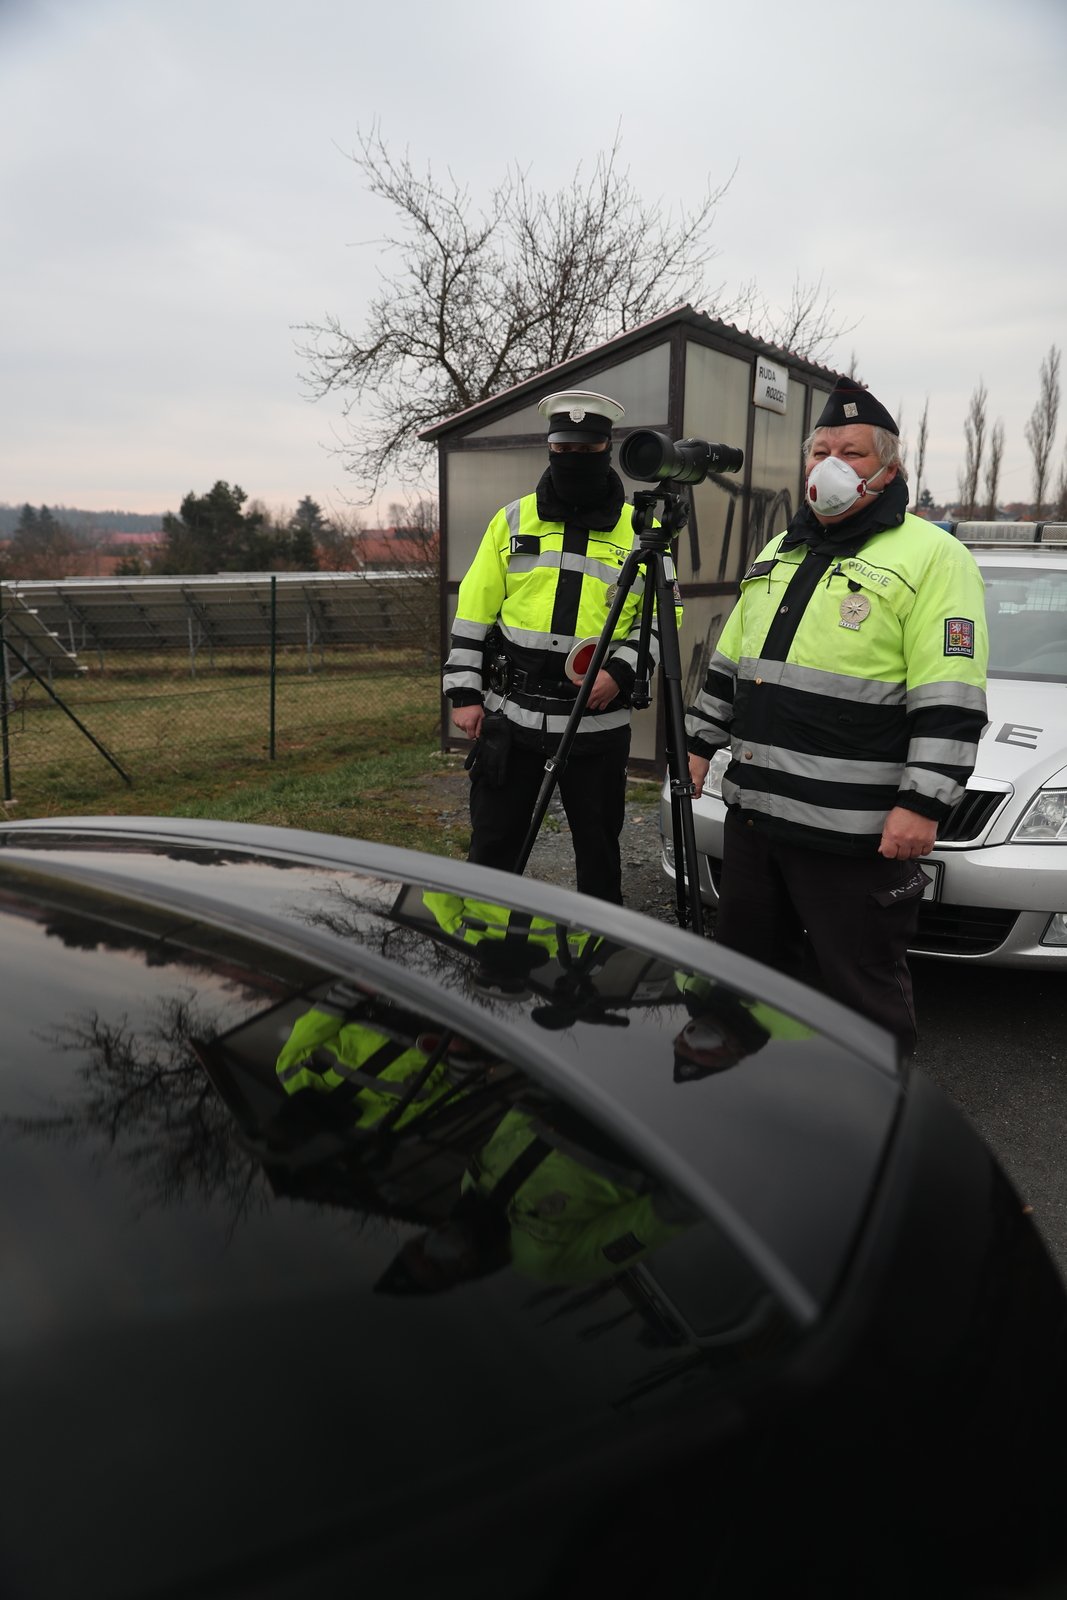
x=996 y=1042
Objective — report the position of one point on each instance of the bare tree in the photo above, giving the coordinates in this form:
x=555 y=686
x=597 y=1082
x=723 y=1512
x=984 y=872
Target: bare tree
x=920 y=450
x=1060 y=510
x=418 y=523
x=1041 y=427
x=992 y=473
x=338 y=541
x=418 y=532
x=974 y=432
x=806 y=327
x=903 y=440
x=479 y=300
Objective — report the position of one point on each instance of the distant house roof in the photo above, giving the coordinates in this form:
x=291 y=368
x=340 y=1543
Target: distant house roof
x=680 y=316
x=395 y=547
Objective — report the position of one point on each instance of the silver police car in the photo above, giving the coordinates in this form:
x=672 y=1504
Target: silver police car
x=998 y=890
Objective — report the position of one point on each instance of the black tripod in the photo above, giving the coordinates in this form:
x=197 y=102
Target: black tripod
x=650 y=551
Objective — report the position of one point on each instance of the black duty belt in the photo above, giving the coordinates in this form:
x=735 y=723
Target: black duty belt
x=550 y=688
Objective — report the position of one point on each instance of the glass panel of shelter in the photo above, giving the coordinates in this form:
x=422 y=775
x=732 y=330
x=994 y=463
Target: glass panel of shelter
x=640 y=385
x=717 y=388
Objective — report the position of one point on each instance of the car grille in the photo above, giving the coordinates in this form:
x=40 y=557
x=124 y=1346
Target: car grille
x=970 y=816
x=946 y=930
x=962 y=930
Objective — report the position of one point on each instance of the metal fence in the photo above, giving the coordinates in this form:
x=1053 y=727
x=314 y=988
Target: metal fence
x=115 y=683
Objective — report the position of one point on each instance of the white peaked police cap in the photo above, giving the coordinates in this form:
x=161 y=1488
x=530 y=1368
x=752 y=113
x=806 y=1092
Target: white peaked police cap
x=578 y=416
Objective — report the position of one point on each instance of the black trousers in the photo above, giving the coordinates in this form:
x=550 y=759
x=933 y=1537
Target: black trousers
x=592 y=788
x=840 y=923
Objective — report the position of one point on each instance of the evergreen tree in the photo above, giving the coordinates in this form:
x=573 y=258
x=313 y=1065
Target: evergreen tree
x=307 y=528
x=42 y=547
x=212 y=534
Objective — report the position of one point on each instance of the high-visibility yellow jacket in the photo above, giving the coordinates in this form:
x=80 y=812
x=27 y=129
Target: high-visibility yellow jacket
x=845 y=686
x=331 y=1055
x=474 y=921
x=547 y=586
x=573 y=1219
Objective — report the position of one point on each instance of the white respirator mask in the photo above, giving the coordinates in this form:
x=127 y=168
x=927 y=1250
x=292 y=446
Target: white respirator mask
x=833 y=487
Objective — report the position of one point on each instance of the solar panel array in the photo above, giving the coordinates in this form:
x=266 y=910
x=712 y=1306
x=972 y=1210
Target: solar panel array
x=314 y=610
x=32 y=641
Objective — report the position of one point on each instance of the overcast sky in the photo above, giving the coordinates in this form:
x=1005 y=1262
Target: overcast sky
x=176 y=198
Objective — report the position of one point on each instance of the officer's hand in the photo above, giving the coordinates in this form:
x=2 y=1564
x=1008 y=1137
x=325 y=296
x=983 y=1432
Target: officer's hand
x=603 y=692
x=469 y=719
x=907 y=835
x=698 y=771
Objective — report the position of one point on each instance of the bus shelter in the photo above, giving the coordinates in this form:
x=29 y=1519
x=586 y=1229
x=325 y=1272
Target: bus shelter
x=684 y=374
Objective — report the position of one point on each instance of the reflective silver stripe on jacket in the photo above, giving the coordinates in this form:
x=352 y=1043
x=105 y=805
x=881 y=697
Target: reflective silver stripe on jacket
x=561 y=644
x=295 y=1068
x=628 y=653
x=828 y=817
x=463 y=669
x=708 y=708
x=812 y=680
x=366 y=1080
x=949 y=693
x=943 y=752
x=930 y=784
x=823 y=769
x=628 y=1177
x=528 y=717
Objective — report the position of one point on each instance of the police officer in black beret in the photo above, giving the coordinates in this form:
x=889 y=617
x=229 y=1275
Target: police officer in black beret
x=848 y=687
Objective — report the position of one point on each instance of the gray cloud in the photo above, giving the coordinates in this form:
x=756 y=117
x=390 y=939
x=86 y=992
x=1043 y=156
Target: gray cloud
x=175 y=199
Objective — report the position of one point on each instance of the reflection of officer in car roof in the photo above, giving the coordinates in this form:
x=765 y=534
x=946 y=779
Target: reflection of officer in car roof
x=363 y=1062
x=508 y=945
x=551 y=1197
x=724 y=1029
x=518 y=954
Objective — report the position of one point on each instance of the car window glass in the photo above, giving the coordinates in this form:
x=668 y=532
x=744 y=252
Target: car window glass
x=1026 y=609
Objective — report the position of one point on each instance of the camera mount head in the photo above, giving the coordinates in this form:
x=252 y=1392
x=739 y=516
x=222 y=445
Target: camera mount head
x=672 y=517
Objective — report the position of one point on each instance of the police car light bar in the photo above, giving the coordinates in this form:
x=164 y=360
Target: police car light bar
x=1007 y=532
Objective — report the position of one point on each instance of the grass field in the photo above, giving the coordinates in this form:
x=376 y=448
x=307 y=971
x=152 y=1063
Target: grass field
x=352 y=749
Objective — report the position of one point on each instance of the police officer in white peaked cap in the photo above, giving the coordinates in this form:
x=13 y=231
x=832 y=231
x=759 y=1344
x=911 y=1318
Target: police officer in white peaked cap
x=539 y=590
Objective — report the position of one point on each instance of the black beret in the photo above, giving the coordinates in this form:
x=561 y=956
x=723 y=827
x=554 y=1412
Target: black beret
x=851 y=402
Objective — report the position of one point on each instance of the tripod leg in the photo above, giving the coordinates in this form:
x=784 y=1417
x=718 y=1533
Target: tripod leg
x=690 y=910
x=555 y=764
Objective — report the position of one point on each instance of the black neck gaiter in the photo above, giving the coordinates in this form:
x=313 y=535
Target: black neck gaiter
x=601 y=514
x=580 y=479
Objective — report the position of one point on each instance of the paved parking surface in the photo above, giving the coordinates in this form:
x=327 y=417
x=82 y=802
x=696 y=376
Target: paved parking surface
x=996 y=1042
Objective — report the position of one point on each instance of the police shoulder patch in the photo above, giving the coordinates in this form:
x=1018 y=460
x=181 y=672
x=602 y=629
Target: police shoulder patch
x=959 y=636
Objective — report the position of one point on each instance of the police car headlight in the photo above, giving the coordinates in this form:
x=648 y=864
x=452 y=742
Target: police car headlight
x=713 y=782
x=1044 y=820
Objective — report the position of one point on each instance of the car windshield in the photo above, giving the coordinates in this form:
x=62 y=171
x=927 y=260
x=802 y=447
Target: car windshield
x=1026 y=608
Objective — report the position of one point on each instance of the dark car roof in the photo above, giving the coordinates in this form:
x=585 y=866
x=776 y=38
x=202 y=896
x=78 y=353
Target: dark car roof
x=330 y=902
x=177 y=1276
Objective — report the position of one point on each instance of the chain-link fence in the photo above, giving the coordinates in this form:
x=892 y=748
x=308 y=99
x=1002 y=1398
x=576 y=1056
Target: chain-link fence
x=117 y=683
